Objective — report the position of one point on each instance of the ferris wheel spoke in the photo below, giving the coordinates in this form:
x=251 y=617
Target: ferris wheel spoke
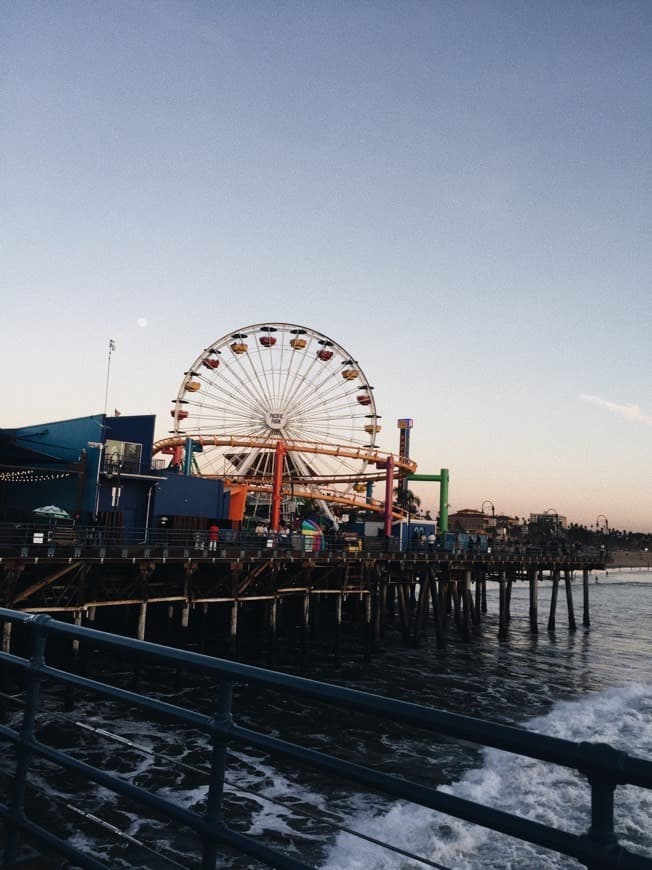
x=318 y=399
x=303 y=378
x=221 y=394
x=309 y=381
x=236 y=370
x=258 y=379
x=243 y=386
x=235 y=408
x=322 y=418
x=288 y=377
x=308 y=385
x=315 y=408
x=328 y=396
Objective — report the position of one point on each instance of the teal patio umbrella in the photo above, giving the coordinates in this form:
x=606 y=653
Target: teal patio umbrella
x=52 y=512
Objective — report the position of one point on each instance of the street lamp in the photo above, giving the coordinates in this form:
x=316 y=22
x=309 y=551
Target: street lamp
x=108 y=373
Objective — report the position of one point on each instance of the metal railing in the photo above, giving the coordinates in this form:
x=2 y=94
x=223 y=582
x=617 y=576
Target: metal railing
x=603 y=766
x=42 y=539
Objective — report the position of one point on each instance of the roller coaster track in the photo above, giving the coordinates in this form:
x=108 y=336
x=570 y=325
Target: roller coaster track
x=333 y=496
x=402 y=465
x=313 y=487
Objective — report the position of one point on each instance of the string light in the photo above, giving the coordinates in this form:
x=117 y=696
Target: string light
x=29 y=476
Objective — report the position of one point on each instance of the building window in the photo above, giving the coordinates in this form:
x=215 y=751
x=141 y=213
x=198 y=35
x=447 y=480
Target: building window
x=122 y=456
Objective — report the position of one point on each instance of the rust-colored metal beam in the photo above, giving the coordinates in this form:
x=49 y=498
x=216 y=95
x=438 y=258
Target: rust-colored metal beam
x=41 y=584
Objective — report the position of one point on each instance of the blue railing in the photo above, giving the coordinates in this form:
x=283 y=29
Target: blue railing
x=603 y=766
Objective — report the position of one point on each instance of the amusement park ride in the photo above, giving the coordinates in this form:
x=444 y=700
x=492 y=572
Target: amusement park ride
x=281 y=412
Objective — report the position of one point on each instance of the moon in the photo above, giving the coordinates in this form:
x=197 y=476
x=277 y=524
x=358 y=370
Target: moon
x=142 y=322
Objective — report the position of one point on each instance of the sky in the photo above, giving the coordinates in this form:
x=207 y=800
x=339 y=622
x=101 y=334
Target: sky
x=459 y=193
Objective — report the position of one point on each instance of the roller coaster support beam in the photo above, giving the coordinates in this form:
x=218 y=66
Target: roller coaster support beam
x=442 y=479
x=389 y=495
x=275 y=516
x=187 y=457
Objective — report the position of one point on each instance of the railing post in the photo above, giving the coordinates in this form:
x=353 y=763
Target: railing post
x=23 y=754
x=215 y=797
x=601 y=833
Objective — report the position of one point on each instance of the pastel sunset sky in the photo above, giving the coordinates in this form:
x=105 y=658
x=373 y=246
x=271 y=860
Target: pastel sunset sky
x=459 y=193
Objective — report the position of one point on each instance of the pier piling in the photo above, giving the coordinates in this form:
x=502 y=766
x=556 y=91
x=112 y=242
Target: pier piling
x=586 y=620
x=435 y=597
x=568 y=576
x=467 y=598
x=502 y=606
x=553 y=599
x=532 y=577
x=196 y=599
x=477 y=610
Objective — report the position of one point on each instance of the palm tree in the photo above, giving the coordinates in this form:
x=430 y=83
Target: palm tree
x=406 y=499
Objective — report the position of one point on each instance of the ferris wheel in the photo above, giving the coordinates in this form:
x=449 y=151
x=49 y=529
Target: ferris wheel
x=274 y=382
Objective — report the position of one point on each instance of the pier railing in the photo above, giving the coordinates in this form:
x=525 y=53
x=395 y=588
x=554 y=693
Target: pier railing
x=603 y=767
x=38 y=540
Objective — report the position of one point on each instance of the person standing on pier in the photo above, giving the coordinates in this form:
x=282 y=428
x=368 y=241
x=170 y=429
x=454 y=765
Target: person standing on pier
x=213 y=536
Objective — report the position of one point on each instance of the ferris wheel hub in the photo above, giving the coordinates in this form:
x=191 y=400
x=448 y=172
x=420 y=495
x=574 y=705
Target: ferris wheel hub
x=276 y=420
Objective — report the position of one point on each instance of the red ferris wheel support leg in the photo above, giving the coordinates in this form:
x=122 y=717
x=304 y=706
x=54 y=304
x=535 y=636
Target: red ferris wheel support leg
x=275 y=516
x=389 y=494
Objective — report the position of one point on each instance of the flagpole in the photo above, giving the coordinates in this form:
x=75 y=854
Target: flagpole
x=108 y=372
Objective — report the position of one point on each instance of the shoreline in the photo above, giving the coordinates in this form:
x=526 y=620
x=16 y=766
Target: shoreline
x=629 y=559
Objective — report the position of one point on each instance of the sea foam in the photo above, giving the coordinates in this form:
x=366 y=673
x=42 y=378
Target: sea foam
x=535 y=790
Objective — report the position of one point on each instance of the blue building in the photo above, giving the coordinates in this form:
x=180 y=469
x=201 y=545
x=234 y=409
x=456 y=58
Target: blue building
x=99 y=470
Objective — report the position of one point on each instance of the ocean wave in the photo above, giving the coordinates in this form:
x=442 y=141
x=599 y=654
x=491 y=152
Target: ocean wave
x=535 y=790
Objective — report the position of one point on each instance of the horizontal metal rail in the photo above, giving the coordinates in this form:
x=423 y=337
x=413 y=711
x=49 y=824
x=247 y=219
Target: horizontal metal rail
x=603 y=766
x=39 y=541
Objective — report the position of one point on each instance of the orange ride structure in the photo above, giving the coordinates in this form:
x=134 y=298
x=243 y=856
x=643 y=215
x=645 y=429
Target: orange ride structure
x=282 y=412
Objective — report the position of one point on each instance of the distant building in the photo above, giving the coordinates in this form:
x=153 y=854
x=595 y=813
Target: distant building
x=468 y=520
x=476 y=522
x=548 y=519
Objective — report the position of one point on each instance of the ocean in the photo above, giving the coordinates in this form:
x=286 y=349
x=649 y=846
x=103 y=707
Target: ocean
x=594 y=684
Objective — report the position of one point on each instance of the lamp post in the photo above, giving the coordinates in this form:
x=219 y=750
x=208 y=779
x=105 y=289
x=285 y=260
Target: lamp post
x=108 y=372
x=493 y=516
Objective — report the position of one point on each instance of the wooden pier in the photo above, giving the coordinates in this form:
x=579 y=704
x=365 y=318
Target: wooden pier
x=220 y=599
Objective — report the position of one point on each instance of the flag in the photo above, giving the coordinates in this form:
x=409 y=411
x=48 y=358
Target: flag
x=111 y=344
